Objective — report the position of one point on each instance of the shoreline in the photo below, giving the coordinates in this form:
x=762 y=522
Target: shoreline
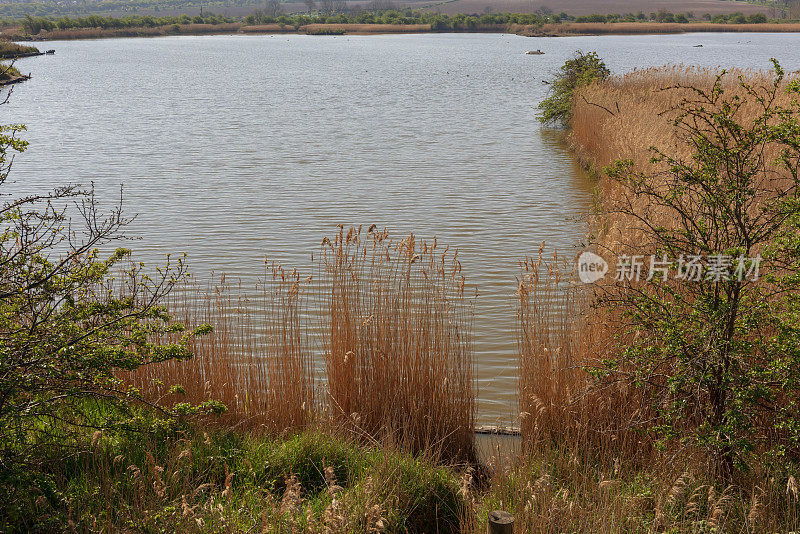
x=14 y=79
x=547 y=30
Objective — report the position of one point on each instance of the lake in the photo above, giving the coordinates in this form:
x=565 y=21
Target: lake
x=235 y=147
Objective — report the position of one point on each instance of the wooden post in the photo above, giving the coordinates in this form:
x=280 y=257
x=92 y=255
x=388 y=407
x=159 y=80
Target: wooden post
x=500 y=522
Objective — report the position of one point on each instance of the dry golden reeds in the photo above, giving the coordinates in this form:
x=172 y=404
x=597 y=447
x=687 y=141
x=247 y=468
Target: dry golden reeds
x=395 y=329
x=397 y=341
x=559 y=336
x=256 y=361
x=625 y=115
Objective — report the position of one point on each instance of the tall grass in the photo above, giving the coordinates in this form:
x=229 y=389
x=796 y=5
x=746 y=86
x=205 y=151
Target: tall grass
x=605 y=432
x=623 y=116
x=257 y=359
x=397 y=341
x=560 y=334
x=393 y=325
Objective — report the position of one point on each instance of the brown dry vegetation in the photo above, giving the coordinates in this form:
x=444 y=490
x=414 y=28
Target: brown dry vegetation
x=632 y=28
x=394 y=328
x=257 y=359
x=557 y=338
x=397 y=340
x=624 y=116
x=589 y=7
x=605 y=431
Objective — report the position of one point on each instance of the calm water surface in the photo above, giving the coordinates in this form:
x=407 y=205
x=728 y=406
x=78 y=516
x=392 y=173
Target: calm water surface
x=231 y=148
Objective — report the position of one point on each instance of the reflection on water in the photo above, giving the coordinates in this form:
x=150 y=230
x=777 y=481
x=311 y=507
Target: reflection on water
x=231 y=148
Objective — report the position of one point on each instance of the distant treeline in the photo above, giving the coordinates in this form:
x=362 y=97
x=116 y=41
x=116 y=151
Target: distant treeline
x=665 y=16
x=441 y=22
x=33 y=25
x=54 y=9
x=438 y=22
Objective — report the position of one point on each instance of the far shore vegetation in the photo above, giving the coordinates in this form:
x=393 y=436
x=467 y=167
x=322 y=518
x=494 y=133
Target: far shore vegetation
x=331 y=21
x=9 y=50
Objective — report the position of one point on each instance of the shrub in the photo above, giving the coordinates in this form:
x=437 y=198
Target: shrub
x=69 y=327
x=580 y=70
x=717 y=356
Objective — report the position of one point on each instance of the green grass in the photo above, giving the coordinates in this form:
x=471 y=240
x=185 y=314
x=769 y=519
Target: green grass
x=191 y=480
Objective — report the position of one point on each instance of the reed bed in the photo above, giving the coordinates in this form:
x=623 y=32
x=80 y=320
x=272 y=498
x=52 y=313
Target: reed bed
x=394 y=328
x=397 y=340
x=633 y=28
x=623 y=117
x=256 y=360
x=560 y=334
x=590 y=458
x=626 y=115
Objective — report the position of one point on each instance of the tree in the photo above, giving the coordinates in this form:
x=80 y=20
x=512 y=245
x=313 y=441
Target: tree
x=71 y=324
x=717 y=356
x=273 y=8
x=580 y=70
x=331 y=7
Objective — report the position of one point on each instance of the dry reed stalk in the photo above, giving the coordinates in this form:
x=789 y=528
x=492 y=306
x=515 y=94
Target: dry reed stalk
x=256 y=361
x=397 y=341
x=559 y=336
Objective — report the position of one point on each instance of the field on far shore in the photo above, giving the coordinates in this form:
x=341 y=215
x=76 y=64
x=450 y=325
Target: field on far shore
x=589 y=7
x=452 y=7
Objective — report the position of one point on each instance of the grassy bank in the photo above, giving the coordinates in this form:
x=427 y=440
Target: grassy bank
x=9 y=50
x=190 y=480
